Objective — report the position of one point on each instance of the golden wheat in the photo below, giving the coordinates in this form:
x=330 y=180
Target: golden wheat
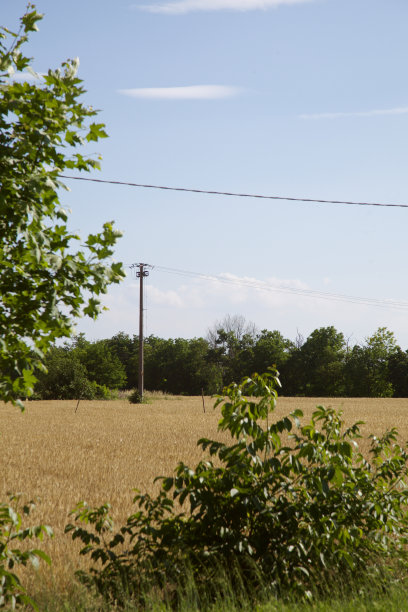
x=104 y=450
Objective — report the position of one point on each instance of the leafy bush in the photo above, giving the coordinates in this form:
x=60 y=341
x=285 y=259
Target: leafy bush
x=12 y=531
x=100 y=391
x=101 y=363
x=65 y=377
x=293 y=514
x=135 y=397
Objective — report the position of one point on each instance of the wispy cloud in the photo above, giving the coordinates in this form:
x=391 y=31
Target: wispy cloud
x=192 y=92
x=179 y=7
x=227 y=289
x=370 y=113
x=168 y=297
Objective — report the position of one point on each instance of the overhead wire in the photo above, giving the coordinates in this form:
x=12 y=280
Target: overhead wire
x=235 y=194
x=380 y=303
x=264 y=286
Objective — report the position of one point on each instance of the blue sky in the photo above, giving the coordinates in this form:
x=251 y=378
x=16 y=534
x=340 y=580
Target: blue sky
x=278 y=97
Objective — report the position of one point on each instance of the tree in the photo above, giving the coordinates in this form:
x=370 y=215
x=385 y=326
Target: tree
x=271 y=349
x=367 y=367
x=316 y=366
x=232 y=341
x=46 y=281
x=81 y=370
x=179 y=366
x=126 y=349
x=231 y=324
x=101 y=364
x=43 y=277
x=398 y=372
x=322 y=356
x=65 y=378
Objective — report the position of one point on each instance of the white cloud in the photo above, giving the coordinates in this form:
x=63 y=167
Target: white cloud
x=178 y=7
x=164 y=298
x=191 y=92
x=370 y=113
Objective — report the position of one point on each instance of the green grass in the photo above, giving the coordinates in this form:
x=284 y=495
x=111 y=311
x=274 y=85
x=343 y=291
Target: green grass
x=371 y=598
x=397 y=601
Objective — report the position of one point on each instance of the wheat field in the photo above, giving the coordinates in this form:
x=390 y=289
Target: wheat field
x=102 y=451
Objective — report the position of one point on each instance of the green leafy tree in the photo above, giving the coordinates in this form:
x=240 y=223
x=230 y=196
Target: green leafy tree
x=101 y=364
x=271 y=349
x=179 y=366
x=367 y=368
x=320 y=367
x=203 y=375
x=65 y=377
x=81 y=370
x=127 y=350
x=232 y=342
x=398 y=372
x=45 y=280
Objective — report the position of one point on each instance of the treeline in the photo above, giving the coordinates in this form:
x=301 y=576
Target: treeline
x=323 y=365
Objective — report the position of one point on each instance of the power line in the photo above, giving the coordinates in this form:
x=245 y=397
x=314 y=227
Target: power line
x=263 y=286
x=233 y=194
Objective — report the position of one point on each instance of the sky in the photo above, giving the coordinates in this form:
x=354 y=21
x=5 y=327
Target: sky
x=295 y=98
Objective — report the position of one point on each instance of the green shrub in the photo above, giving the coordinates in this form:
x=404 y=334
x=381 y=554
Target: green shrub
x=98 y=391
x=12 y=531
x=290 y=518
x=65 y=377
x=135 y=397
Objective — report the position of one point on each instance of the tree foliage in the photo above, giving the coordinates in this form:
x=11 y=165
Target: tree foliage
x=46 y=281
x=323 y=365
x=316 y=367
x=126 y=350
x=367 y=367
x=292 y=516
x=398 y=372
x=179 y=366
x=80 y=370
x=12 y=532
x=232 y=342
x=101 y=363
x=271 y=349
x=65 y=377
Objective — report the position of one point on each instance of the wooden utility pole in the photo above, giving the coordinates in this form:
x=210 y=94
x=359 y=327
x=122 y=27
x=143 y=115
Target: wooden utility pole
x=141 y=274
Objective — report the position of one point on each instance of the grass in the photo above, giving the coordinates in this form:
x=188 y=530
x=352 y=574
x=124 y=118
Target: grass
x=106 y=449
x=148 y=395
x=77 y=599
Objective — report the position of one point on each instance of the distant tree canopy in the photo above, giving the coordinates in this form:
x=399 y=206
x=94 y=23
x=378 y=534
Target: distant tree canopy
x=316 y=367
x=81 y=370
x=323 y=365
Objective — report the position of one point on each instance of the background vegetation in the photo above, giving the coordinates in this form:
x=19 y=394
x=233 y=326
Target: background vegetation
x=322 y=365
